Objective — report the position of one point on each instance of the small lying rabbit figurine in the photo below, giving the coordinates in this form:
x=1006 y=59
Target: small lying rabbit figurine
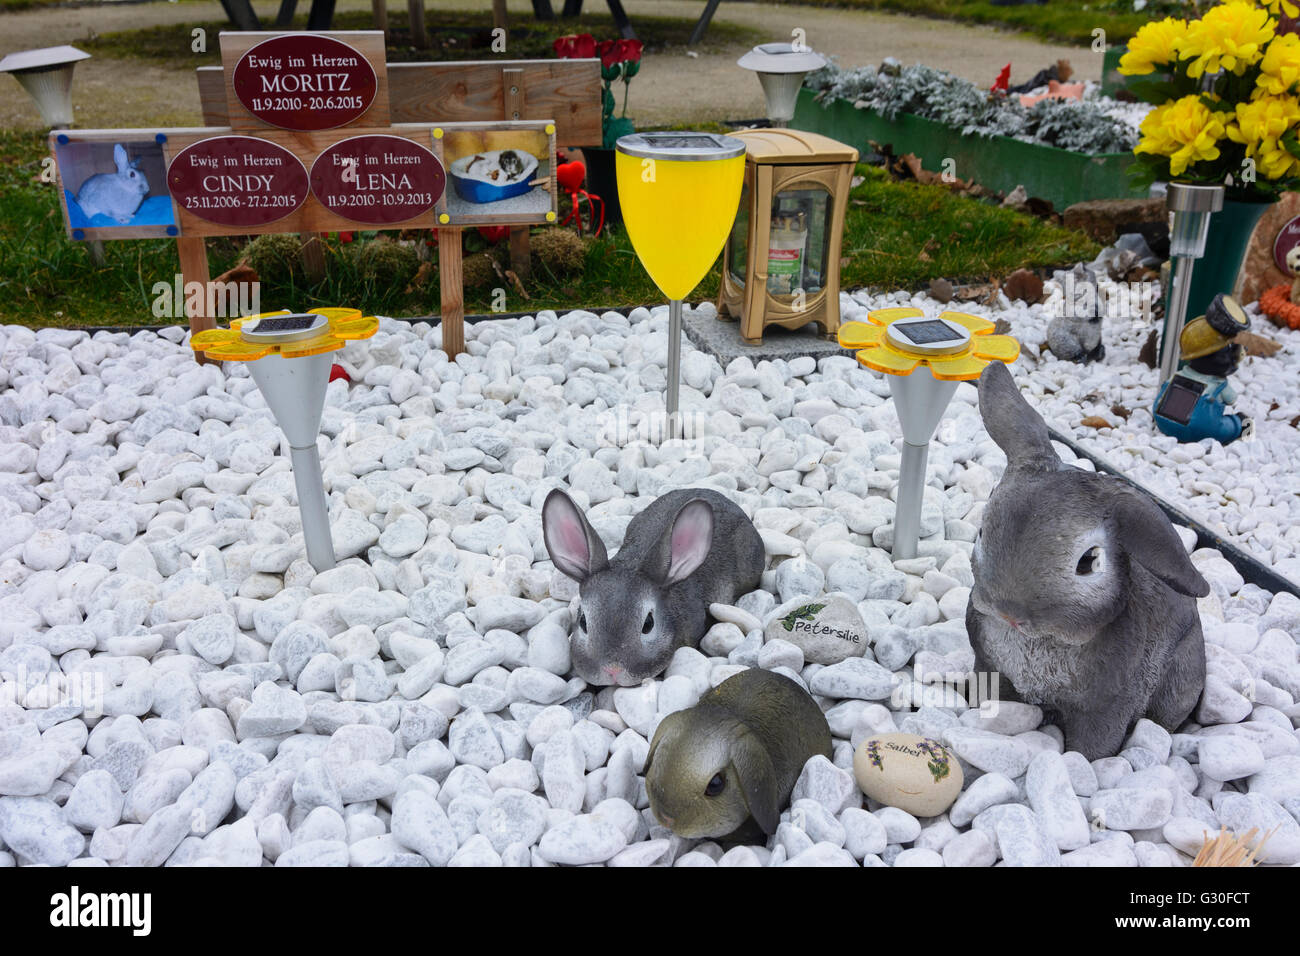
x=117 y=195
x=1084 y=597
x=735 y=755
x=687 y=550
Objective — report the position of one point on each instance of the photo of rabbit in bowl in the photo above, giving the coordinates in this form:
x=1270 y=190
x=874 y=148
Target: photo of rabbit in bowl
x=117 y=194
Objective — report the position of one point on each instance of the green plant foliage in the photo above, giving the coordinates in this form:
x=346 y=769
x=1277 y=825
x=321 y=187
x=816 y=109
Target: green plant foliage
x=275 y=258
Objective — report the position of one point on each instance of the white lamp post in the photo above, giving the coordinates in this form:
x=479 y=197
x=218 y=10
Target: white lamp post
x=1191 y=206
x=46 y=75
x=289 y=358
x=781 y=68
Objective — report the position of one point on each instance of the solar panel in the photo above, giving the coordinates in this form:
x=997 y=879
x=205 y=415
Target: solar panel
x=1180 y=399
x=928 y=332
x=681 y=141
x=287 y=323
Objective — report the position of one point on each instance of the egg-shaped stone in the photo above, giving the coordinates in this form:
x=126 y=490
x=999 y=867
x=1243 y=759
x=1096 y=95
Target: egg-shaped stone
x=914 y=773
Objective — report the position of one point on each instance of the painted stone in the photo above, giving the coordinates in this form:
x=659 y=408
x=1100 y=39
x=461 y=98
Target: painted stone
x=827 y=629
x=914 y=773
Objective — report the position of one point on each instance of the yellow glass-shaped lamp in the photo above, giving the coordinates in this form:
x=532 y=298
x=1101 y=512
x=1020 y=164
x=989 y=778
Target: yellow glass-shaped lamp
x=679 y=193
x=923 y=359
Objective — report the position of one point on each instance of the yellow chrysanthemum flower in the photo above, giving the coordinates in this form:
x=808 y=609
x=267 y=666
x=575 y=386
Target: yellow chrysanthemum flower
x=1184 y=130
x=1281 y=7
x=1260 y=125
x=1231 y=36
x=1156 y=44
x=1280 y=66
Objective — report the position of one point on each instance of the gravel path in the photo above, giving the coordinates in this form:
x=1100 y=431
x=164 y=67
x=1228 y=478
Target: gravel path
x=672 y=88
x=177 y=685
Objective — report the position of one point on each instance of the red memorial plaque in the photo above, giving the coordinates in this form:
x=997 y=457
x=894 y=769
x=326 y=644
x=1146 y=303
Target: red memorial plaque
x=378 y=180
x=304 y=82
x=237 y=181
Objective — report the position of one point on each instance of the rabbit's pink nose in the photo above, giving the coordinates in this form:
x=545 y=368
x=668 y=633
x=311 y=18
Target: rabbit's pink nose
x=613 y=670
x=1012 y=621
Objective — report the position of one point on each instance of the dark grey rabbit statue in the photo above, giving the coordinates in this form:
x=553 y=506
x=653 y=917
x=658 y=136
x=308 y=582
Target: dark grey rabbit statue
x=1084 y=598
x=688 y=549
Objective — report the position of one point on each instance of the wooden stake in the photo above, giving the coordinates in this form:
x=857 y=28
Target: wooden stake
x=380 y=9
x=194 y=268
x=520 y=260
x=512 y=88
x=453 y=293
x=313 y=255
x=499 y=16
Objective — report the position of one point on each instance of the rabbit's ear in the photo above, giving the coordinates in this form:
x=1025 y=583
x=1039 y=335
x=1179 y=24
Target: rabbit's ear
x=670 y=728
x=686 y=546
x=753 y=769
x=119 y=157
x=570 y=541
x=1149 y=539
x=1018 y=429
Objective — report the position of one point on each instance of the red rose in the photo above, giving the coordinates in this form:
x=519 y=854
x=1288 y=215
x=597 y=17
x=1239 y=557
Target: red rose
x=630 y=50
x=494 y=234
x=564 y=47
x=584 y=46
x=610 y=54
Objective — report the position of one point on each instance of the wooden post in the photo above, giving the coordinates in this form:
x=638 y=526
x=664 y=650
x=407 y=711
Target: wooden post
x=313 y=255
x=419 y=37
x=520 y=260
x=380 y=10
x=499 y=15
x=194 y=268
x=512 y=88
x=453 y=293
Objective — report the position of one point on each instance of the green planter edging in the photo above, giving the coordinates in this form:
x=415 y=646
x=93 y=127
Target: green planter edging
x=997 y=162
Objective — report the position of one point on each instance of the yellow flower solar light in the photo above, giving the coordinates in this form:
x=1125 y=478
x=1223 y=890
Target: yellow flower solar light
x=923 y=359
x=288 y=356
x=285 y=334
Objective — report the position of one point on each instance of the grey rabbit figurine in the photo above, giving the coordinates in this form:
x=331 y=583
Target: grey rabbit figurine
x=735 y=755
x=688 y=549
x=1084 y=597
x=117 y=195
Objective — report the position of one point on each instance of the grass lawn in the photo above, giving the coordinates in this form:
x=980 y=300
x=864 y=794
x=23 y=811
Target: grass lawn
x=897 y=235
x=453 y=35
x=1068 y=20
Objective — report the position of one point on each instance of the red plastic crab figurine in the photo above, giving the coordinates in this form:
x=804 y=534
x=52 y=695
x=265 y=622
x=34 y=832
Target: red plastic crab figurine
x=570 y=177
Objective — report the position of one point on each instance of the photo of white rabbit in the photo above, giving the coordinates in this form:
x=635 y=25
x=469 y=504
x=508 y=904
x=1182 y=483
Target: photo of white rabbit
x=111 y=185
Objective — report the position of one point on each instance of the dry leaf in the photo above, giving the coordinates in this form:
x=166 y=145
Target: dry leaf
x=1095 y=421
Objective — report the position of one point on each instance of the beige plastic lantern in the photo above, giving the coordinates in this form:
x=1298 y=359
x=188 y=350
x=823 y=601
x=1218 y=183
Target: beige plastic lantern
x=781 y=265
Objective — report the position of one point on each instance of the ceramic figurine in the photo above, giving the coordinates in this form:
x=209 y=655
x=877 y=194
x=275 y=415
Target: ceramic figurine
x=690 y=548
x=1193 y=404
x=1084 y=599
x=1293 y=266
x=734 y=757
x=1075 y=334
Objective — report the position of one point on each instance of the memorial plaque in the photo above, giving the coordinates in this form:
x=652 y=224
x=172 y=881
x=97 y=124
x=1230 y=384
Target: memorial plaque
x=305 y=82
x=377 y=179
x=237 y=181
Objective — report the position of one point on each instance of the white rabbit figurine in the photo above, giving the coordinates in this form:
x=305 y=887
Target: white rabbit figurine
x=117 y=195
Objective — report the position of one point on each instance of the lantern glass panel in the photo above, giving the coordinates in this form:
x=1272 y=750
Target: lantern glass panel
x=799 y=241
x=739 y=245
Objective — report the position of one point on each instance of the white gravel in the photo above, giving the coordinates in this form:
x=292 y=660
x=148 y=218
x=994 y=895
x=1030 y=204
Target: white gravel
x=415 y=706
